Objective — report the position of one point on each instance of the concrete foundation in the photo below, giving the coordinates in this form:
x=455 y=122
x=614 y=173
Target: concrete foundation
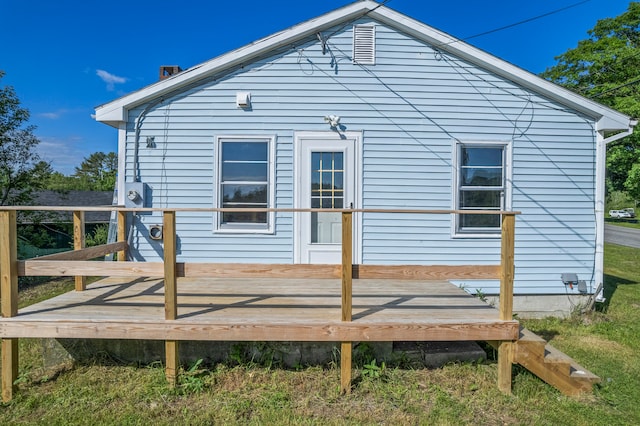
x=286 y=354
x=548 y=305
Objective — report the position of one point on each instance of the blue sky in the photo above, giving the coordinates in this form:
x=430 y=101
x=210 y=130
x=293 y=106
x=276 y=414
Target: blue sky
x=65 y=57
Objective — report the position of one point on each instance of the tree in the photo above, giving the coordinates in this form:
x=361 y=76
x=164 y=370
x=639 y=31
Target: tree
x=21 y=170
x=605 y=67
x=98 y=172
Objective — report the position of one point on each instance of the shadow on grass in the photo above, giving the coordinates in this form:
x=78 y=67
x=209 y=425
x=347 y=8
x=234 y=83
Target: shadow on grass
x=611 y=283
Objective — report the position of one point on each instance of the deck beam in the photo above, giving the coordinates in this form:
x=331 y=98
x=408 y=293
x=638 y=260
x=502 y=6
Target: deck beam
x=79 y=242
x=170 y=294
x=347 y=296
x=9 y=296
x=507 y=269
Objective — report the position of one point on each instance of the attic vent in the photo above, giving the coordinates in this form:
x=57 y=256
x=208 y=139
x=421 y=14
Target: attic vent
x=364 y=44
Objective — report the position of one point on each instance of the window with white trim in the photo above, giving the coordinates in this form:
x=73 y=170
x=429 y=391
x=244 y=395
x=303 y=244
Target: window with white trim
x=481 y=184
x=244 y=180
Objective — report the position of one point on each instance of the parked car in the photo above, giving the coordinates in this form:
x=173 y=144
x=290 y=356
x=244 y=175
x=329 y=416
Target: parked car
x=630 y=211
x=619 y=214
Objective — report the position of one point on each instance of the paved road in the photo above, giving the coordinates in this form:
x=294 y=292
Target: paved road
x=629 y=237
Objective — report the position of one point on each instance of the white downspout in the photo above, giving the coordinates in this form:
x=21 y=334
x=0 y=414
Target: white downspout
x=601 y=168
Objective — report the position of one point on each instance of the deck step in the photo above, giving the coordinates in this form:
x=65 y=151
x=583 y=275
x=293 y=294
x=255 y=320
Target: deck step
x=551 y=365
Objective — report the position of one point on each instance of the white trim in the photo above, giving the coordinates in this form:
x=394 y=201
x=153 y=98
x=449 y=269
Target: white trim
x=357 y=190
x=598 y=268
x=271 y=185
x=455 y=193
x=122 y=161
x=608 y=119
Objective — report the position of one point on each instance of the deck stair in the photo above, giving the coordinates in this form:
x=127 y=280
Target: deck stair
x=554 y=367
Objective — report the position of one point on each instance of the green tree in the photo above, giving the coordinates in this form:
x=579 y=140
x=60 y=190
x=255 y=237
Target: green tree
x=97 y=172
x=21 y=170
x=606 y=68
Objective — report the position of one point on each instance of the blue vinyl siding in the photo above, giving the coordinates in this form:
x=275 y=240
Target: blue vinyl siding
x=411 y=107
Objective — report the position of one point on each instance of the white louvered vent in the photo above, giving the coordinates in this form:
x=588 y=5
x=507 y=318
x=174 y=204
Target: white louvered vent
x=364 y=44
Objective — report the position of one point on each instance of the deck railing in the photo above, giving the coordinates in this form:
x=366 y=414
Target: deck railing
x=77 y=263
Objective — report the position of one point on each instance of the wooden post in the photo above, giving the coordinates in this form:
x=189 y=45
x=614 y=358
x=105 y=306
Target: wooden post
x=9 y=296
x=505 y=348
x=170 y=293
x=347 y=291
x=79 y=243
x=122 y=234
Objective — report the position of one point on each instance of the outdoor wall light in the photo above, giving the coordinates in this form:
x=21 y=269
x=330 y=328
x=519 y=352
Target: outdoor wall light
x=333 y=120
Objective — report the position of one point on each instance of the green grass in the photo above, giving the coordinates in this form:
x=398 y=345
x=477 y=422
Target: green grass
x=623 y=222
x=605 y=341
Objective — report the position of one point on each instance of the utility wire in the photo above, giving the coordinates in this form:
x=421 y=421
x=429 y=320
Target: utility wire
x=544 y=15
x=628 y=83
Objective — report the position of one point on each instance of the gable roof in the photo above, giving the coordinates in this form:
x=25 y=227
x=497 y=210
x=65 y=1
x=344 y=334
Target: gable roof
x=115 y=112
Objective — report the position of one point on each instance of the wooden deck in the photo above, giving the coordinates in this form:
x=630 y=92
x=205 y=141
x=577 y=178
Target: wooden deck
x=263 y=309
x=343 y=303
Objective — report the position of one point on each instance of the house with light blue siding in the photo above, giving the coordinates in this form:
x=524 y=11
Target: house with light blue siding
x=364 y=107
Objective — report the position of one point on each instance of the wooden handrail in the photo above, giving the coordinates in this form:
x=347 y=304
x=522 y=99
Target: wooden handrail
x=86 y=253
x=254 y=210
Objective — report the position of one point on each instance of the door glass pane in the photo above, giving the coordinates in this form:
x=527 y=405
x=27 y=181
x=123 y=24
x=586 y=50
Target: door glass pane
x=327 y=191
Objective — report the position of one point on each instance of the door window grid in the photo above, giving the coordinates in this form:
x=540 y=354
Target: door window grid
x=327 y=180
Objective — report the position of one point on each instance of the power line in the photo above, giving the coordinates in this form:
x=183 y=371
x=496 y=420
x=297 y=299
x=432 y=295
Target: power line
x=628 y=83
x=544 y=15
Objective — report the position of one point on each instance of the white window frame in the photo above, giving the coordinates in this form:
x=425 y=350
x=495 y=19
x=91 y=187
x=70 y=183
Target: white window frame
x=507 y=171
x=244 y=228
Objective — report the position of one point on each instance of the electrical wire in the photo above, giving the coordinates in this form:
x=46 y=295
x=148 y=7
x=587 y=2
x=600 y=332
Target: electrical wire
x=515 y=24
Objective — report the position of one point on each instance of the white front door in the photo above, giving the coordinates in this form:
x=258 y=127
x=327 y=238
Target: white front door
x=326 y=170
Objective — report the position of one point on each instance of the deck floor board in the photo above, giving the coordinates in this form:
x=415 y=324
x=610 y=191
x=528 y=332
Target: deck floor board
x=263 y=309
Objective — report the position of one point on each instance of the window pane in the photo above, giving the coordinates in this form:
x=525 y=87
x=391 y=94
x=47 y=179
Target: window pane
x=326 y=180
x=480 y=200
x=480 y=221
x=234 y=195
x=481 y=176
x=251 y=172
x=244 y=217
x=337 y=181
x=327 y=164
x=337 y=160
x=482 y=156
x=315 y=161
x=245 y=151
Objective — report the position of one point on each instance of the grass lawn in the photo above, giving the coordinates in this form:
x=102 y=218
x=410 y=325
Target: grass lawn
x=606 y=342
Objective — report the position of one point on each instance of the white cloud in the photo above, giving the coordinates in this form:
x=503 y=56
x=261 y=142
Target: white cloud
x=110 y=79
x=66 y=152
x=53 y=115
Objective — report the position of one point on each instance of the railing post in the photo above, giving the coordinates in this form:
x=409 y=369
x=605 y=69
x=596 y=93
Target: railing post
x=9 y=296
x=122 y=234
x=347 y=282
x=170 y=293
x=505 y=348
x=79 y=243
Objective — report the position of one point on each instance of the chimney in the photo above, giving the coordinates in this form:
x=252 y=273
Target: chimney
x=167 y=71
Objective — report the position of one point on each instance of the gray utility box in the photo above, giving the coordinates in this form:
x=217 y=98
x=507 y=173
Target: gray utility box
x=135 y=194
